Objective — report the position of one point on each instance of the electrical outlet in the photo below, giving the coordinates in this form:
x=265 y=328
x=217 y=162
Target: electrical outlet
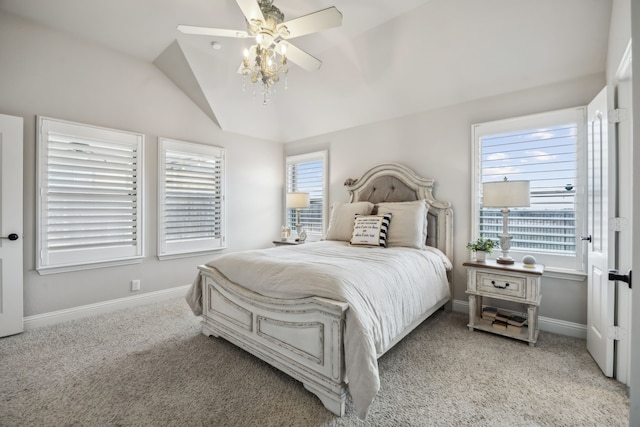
x=135 y=285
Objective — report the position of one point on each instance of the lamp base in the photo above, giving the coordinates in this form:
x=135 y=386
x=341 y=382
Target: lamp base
x=502 y=260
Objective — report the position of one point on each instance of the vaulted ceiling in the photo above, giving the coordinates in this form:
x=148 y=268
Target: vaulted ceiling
x=388 y=59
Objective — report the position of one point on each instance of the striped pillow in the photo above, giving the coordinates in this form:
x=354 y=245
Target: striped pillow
x=371 y=230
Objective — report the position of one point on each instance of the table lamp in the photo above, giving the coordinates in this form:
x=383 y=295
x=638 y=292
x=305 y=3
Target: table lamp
x=298 y=201
x=505 y=194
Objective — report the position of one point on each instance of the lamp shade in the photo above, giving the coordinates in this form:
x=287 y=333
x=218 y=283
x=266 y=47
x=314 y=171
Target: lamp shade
x=297 y=200
x=505 y=194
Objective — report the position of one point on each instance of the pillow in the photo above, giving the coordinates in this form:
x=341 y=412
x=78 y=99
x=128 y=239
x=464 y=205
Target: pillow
x=342 y=219
x=409 y=226
x=370 y=230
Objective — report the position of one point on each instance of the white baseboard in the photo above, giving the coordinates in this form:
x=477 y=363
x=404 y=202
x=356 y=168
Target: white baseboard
x=74 y=313
x=548 y=324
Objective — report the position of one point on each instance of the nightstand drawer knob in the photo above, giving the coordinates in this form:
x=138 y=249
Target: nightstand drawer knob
x=506 y=285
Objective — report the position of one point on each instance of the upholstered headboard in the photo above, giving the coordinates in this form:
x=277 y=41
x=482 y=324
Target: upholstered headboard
x=392 y=182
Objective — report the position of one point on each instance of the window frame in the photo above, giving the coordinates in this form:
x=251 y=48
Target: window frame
x=322 y=155
x=553 y=262
x=58 y=261
x=188 y=247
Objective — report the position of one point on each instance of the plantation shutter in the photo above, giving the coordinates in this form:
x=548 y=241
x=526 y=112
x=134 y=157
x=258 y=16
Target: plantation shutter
x=90 y=194
x=191 y=198
x=307 y=173
x=547 y=158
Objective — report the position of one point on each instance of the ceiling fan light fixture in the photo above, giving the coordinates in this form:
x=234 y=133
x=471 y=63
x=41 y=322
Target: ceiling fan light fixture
x=267 y=66
x=268 y=59
x=283 y=31
x=264 y=39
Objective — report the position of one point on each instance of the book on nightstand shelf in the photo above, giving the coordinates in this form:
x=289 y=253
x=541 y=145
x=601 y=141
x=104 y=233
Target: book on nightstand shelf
x=516 y=320
x=513 y=328
x=504 y=320
x=499 y=324
x=489 y=313
x=503 y=316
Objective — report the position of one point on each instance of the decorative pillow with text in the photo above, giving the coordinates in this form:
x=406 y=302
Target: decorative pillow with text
x=371 y=230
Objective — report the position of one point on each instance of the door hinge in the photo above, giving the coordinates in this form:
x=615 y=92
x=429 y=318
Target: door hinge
x=616 y=333
x=618 y=224
x=617 y=115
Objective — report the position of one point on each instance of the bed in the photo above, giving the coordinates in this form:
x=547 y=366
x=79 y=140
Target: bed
x=314 y=310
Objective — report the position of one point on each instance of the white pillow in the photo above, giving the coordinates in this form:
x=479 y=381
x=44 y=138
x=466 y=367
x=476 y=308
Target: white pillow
x=371 y=230
x=409 y=225
x=342 y=219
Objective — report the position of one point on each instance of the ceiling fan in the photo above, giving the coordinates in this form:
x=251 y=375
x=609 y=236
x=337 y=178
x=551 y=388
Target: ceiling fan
x=265 y=23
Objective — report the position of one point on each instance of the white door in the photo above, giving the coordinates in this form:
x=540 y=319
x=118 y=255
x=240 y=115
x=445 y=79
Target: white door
x=601 y=296
x=11 y=299
x=624 y=250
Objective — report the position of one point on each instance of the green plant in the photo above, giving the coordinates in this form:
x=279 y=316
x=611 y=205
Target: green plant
x=482 y=244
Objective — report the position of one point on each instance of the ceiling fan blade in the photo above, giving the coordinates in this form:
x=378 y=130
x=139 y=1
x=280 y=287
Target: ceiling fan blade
x=251 y=10
x=311 y=23
x=299 y=56
x=217 y=32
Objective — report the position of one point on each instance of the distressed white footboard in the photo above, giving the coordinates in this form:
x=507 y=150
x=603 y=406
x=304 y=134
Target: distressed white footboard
x=303 y=337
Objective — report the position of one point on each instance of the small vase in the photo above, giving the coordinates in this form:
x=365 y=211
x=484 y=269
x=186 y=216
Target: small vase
x=481 y=256
x=285 y=233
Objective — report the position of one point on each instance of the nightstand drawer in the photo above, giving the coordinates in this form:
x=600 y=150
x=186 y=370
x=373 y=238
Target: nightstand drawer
x=502 y=285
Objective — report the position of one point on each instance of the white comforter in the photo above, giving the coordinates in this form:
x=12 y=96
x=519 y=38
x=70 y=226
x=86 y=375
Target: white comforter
x=387 y=289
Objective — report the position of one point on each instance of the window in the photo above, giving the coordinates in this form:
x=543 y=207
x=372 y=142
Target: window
x=548 y=150
x=90 y=196
x=190 y=198
x=307 y=173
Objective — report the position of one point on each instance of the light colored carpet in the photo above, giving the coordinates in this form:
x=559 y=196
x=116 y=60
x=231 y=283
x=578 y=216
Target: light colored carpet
x=150 y=366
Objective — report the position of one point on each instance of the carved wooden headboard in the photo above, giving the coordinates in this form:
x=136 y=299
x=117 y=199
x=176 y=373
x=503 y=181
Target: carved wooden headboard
x=393 y=182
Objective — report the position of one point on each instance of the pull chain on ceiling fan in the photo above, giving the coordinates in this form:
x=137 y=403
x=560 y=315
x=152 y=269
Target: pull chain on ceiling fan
x=266 y=60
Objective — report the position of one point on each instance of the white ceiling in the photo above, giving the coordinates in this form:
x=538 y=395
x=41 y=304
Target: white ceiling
x=388 y=59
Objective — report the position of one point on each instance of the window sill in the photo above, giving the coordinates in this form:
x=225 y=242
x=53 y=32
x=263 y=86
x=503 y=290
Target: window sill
x=168 y=256
x=565 y=274
x=43 y=271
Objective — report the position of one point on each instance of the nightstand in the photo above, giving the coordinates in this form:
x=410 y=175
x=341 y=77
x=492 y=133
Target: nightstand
x=507 y=282
x=286 y=242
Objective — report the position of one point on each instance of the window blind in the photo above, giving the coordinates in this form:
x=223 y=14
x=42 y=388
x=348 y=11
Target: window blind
x=192 y=197
x=547 y=158
x=92 y=189
x=306 y=174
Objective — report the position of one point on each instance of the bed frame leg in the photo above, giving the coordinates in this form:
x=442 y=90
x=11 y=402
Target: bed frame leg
x=333 y=402
x=208 y=332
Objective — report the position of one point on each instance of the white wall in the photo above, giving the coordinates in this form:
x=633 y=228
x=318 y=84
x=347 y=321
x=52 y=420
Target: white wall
x=619 y=35
x=48 y=73
x=437 y=144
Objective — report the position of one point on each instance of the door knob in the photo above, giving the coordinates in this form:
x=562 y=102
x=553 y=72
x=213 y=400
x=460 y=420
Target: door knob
x=12 y=236
x=588 y=238
x=626 y=278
